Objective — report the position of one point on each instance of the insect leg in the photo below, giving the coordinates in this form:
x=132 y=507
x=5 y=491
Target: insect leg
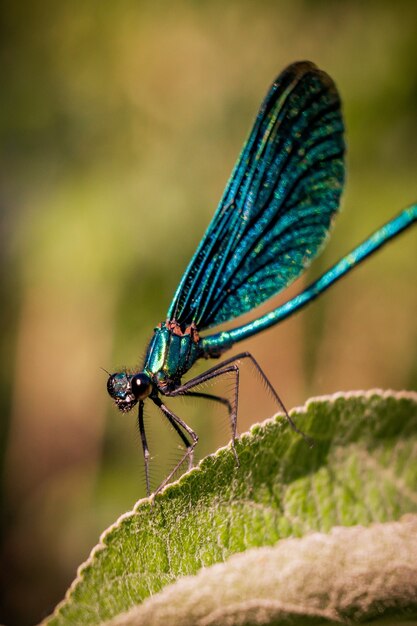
x=248 y=355
x=210 y=396
x=220 y=368
x=175 y=426
x=226 y=402
x=144 y=446
x=177 y=423
x=214 y=372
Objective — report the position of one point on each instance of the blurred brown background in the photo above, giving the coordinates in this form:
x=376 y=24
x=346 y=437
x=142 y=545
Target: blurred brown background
x=120 y=123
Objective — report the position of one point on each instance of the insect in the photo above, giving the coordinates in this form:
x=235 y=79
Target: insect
x=271 y=222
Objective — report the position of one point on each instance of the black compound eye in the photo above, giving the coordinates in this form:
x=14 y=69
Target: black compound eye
x=141 y=386
x=118 y=386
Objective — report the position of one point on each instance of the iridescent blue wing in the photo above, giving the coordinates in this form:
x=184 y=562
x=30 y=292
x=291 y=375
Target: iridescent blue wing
x=277 y=207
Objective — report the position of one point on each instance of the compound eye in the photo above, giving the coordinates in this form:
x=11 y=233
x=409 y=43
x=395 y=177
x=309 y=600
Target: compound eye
x=118 y=386
x=141 y=386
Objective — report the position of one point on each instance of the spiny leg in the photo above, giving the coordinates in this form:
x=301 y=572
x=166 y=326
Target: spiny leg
x=219 y=368
x=214 y=372
x=226 y=402
x=248 y=355
x=210 y=396
x=177 y=429
x=176 y=423
x=144 y=446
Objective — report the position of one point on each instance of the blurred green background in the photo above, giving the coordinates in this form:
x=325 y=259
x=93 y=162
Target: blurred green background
x=120 y=123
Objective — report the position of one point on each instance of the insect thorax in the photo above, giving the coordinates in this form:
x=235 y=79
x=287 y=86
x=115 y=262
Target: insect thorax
x=171 y=353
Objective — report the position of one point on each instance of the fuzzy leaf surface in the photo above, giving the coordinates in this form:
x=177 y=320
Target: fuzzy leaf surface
x=361 y=470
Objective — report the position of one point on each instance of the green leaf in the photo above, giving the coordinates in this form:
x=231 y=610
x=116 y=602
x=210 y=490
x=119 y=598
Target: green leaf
x=359 y=472
x=362 y=573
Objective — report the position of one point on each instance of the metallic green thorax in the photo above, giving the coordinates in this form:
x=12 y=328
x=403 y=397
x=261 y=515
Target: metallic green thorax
x=171 y=353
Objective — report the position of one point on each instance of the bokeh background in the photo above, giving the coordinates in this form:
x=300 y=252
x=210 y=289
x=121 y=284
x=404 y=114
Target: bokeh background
x=120 y=123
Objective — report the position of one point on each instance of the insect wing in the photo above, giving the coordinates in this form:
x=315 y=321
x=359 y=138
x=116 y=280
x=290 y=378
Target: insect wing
x=278 y=205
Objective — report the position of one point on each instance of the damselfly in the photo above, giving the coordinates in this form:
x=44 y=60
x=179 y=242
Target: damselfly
x=272 y=221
